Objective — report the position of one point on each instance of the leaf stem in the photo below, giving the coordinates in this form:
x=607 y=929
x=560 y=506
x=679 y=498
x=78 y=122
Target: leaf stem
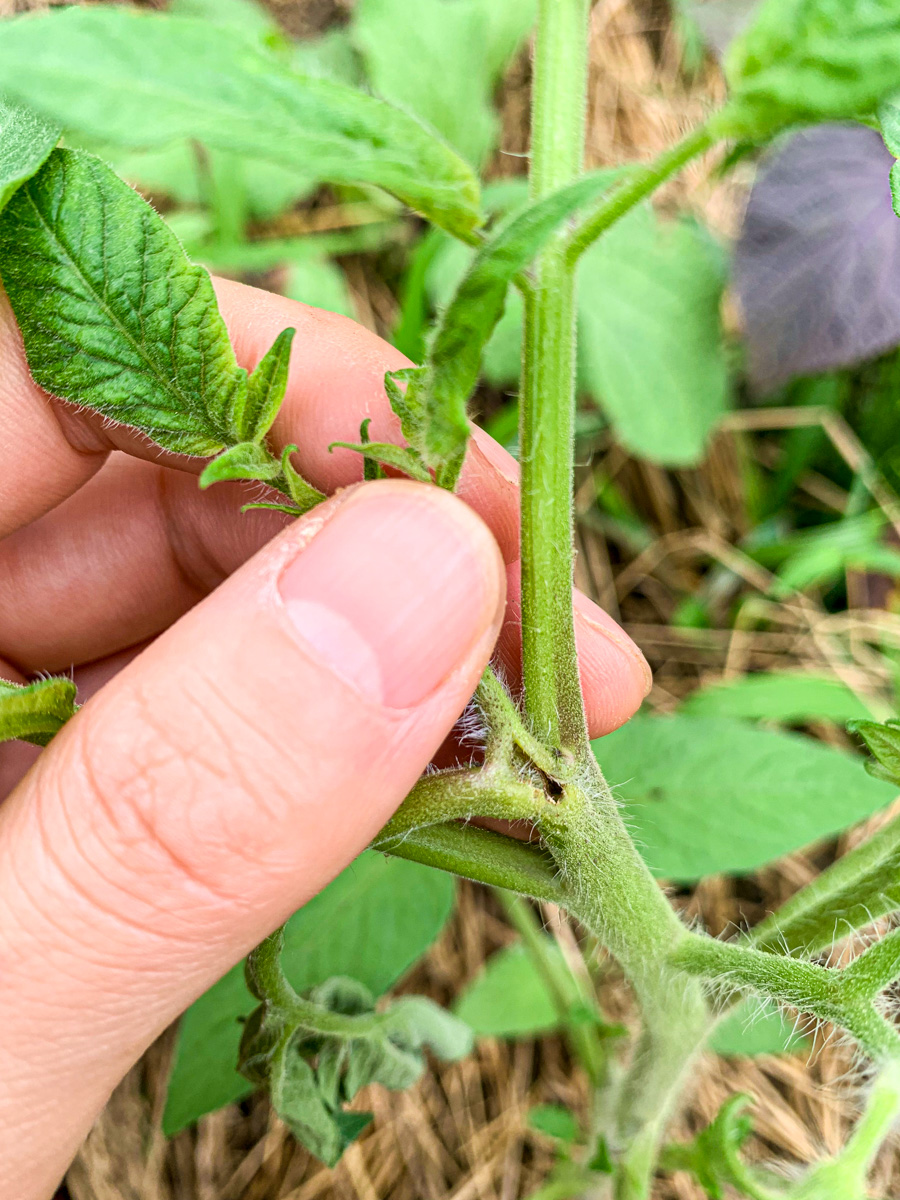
x=636 y=186
x=459 y=795
x=484 y=857
x=835 y=996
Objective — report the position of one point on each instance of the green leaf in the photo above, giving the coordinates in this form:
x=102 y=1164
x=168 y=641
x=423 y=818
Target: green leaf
x=790 y=697
x=363 y=925
x=465 y=327
x=650 y=335
x=113 y=315
x=246 y=460
x=332 y=55
x=352 y=1045
x=502 y=357
x=183 y=171
x=265 y=390
x=556 y=1121
x=811 y=60
x=394 y=1067
x=509 y=998
x=756 y=1027
x=419 y=1022
x=372 y=469
x=297 y=1100
x=883 y=742
x=408 y=403
x=402 y=458
x=819 y=557
x=34 y=712
x=445 y=64
x=704 y=795
x=26 y=142
x=713 y=1155
x=147 y=79
x=303 y=494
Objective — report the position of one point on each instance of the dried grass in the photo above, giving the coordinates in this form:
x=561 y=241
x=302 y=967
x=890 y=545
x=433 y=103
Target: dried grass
x=461 y=1134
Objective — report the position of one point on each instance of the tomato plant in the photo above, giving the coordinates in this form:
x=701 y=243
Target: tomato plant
x=116 y=318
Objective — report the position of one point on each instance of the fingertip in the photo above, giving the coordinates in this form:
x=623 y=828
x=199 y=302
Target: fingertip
x=615 y=675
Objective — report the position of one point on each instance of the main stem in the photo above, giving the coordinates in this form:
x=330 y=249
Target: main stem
x=552 y=690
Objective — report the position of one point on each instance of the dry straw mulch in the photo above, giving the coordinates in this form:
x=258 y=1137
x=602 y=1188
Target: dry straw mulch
x=462 y=1133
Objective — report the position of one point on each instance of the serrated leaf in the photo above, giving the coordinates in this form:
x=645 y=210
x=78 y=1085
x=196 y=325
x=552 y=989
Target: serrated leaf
x=812 y=60
x=704 y=795
x=265 y=390
x=303 y=494
x=455 y=354
x=756 y=1027
x=113 y=315
x=332 y=1061
x=817 y=263
x=297 y=1100
x=362 y=925
x=34 y=712
x=508 y=998
x=26 y=142
x=444 y=65
x=408 y=403
x=392 y=1066
x=713 y=1155
x=246 y=460
x=401 y=458
x=651 y=347
x=790 y=697
x=420 y=1022
x=372 y=469
x=147 y=79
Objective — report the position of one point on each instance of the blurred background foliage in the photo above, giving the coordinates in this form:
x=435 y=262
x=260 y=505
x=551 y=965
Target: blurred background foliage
x=737 y=510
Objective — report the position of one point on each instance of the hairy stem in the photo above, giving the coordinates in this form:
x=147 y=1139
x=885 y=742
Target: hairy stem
x=549 y=664
x=637 y=185
x=611 y=891
x=846 y=1175
x=460 y=795
x=484 y=857
x=840 y=997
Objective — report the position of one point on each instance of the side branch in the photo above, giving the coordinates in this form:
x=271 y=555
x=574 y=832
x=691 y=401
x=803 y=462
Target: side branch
x=638 y=184
x=839 y=997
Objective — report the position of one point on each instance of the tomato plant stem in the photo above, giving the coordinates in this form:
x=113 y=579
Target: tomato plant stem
x=547 y=404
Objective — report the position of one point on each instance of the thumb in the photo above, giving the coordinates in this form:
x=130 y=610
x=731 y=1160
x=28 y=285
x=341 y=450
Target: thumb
x=217 y=783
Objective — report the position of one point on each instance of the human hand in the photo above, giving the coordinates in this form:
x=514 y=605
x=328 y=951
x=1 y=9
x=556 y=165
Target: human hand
x=261 y=700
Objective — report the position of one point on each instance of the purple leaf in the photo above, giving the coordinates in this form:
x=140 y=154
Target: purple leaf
x=817 y=265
